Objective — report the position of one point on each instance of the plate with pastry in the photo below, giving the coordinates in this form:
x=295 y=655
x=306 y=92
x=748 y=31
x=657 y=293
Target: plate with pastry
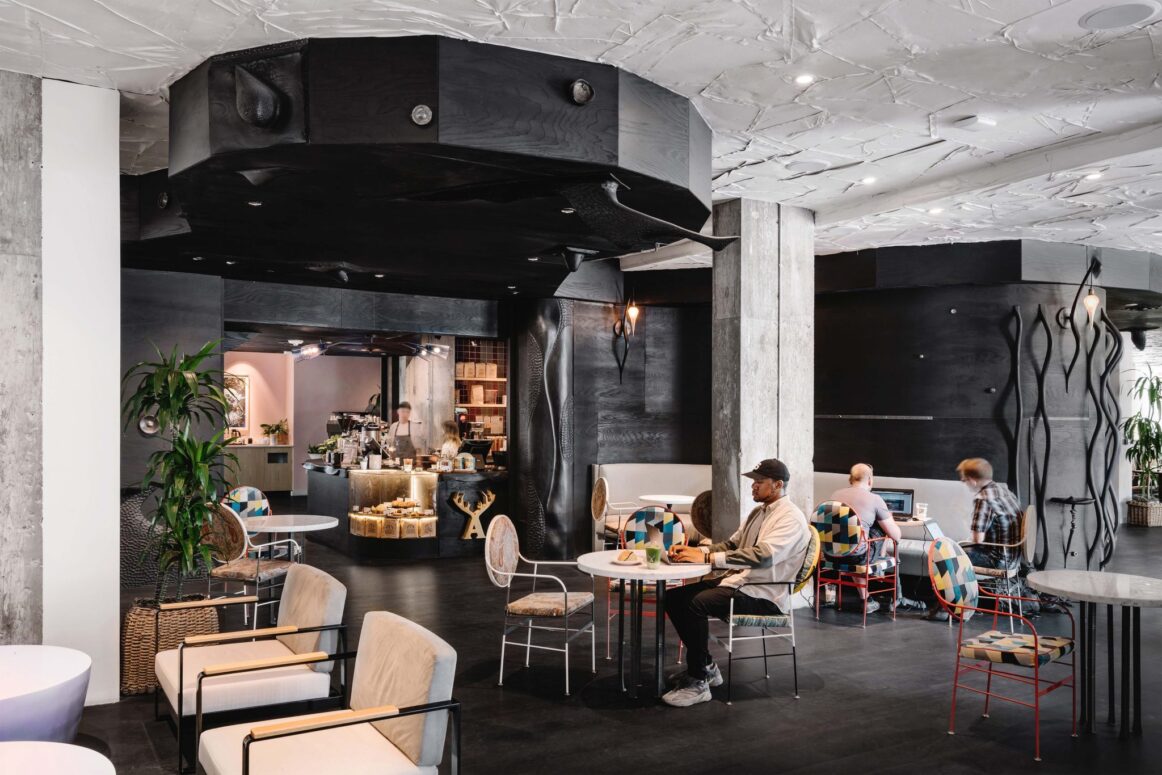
x=627 y=557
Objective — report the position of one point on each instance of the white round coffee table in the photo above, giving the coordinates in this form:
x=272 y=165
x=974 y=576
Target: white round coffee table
x=290 y=524
x=42 y=692
x=669 y=500
x=52 y=759
x=1132 y=593
x=601 y=564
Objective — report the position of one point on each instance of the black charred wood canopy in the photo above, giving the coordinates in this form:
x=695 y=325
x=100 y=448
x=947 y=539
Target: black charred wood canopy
x=443 y=164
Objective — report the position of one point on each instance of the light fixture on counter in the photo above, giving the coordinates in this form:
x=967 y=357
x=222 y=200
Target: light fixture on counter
x=623 y=330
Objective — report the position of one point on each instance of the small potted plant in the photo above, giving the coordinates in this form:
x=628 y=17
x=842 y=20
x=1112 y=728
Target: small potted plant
x=276 y=433
x=1143 y=435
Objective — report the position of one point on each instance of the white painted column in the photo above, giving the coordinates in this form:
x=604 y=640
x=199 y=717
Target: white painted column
x=763 y=352
x=81 y=254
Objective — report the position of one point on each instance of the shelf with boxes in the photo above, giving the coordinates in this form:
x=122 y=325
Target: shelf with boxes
x=481 y=388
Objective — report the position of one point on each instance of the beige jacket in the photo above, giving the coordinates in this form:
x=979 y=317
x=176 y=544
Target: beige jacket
x=769 y=546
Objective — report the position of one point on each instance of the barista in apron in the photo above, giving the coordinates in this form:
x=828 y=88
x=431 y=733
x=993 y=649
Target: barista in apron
x=404 y=434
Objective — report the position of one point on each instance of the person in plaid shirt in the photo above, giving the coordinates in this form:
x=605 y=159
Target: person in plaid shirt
x=995 y=515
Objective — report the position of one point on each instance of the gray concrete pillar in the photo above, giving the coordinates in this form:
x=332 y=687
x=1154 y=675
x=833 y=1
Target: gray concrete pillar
x=21 y=552
x=763 y=352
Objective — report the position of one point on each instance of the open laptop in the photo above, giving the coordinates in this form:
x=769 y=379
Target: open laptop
x=899 y=502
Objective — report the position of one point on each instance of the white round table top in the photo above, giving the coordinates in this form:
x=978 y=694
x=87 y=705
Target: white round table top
x=667 y=500
x=1099 y=587
x=601 y=564
x=289 y=523
x=31 y=669
x=52 y=759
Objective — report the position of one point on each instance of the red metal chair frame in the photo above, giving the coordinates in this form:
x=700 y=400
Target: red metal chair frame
x=842 y=579
x=990 y=668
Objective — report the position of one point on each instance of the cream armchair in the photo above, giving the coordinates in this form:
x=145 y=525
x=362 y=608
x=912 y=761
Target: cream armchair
x=401 y=698
x=221 y=678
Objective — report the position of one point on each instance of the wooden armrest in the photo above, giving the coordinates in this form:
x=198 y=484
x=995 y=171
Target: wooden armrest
x=262 y=664
x=214 y=601
x=970 y=542
x=323 y=721
x=222 y=637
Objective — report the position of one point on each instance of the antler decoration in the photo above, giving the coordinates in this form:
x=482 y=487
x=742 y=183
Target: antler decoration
x=474 y=529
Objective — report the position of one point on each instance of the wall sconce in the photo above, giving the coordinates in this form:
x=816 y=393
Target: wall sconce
x=1066 y=316
x=623 y=331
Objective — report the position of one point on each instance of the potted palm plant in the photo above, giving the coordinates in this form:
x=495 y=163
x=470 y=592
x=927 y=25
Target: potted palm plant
x=182 y=402
x=1143 y=435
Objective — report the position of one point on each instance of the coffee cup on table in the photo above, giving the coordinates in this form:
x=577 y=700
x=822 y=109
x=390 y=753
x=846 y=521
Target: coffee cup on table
x=653 y=555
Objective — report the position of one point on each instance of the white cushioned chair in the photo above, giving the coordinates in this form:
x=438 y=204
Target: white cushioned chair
x=233 y=675
x=401 y=698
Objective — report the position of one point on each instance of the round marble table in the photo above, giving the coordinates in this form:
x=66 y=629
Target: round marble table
x=1132 y=593
x=52 y=759
x=669 y=500
x=601 y=564
x=290 y=524
x=42 y=692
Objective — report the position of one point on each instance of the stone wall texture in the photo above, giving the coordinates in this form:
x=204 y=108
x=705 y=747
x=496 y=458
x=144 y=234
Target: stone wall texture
x=20 y=368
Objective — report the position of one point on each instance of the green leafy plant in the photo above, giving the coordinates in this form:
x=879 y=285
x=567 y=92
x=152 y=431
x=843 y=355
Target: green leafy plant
x=186 y=402
x=1143 y=433
x=275 y=429
x=324 y=447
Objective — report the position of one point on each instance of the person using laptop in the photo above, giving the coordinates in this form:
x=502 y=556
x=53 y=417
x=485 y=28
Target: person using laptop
x=877 y=521
x=769 y=546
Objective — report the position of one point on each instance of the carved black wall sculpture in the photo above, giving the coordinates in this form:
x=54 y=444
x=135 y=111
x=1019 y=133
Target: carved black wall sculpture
x=542 y=450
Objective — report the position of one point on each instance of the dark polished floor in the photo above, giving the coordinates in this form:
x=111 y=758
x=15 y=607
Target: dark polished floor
x=873 y=701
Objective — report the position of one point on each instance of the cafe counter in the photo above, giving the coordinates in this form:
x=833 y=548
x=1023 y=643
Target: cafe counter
x=393 y=514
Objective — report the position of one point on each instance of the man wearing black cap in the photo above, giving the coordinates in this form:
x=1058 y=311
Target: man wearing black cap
x=769 y=546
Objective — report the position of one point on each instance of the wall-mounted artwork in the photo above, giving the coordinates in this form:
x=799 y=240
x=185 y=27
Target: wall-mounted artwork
x=237 y=389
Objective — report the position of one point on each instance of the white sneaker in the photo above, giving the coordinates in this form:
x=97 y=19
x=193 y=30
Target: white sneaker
x=692 y=693
x=682 y=677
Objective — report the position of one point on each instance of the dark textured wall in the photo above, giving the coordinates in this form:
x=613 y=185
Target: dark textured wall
x=21 y=589
x=166 y=309
x=910 y=386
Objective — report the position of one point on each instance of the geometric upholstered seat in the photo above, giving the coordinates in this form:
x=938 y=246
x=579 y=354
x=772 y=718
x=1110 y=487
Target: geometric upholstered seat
x=549 y=604
x=877 y=567
x=1015 y=649
x=757 y=620
x=250 y=569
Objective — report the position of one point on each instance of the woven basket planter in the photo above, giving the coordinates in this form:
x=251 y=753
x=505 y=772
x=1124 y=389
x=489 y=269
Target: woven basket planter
x=138 y=645
x=1145 y=513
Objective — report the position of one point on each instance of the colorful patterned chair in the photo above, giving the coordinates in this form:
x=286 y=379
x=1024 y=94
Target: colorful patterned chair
x=635 y=533
x=502 y=558
x=958 y=591
x=1005 y=579
x=248 y=502
x=783 y=622
x=843 y=537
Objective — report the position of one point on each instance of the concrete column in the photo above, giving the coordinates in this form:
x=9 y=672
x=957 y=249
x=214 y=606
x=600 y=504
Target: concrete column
x=21 y=591
x=763 y=352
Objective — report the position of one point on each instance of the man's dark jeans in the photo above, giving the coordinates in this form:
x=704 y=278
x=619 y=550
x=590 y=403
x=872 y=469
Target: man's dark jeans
x=689 y=608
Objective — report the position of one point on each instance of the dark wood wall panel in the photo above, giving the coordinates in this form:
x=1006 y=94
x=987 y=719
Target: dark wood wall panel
x=169 y=310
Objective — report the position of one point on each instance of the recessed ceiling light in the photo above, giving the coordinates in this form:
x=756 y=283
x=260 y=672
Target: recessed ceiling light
x=230 y=262
x=378 y=276
x=1093 y=176
x=568 y=210
x=805 y=79
x=975 y=123
x=935 y=210
x=255 y=203
x=294 y=342
x=868 y=180
x=534 y=258
x=514 y=293
x=512 y=287
x=1113 y=17
x=807 y=166
x=199 y=258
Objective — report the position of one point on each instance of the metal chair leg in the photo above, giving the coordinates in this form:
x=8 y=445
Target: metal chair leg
x=529 y=644
x=566 y=628
x=795 y=669
x=763 y=640
x=503 y=643
x=730 y=668
x=988 y=688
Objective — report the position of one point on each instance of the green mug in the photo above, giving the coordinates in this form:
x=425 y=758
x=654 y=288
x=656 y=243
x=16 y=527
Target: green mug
x=653 y=556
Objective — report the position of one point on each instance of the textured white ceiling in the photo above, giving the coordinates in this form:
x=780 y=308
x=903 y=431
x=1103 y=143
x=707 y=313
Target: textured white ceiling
x=893 y=75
